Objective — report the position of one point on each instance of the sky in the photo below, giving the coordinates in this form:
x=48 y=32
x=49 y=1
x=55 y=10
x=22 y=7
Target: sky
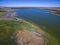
x=30 y=3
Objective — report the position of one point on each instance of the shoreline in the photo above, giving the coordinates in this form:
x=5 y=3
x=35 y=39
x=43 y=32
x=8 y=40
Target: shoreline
x=55 y=14
x=11 y=16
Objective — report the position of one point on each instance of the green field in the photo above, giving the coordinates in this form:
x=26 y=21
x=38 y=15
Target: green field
x=2 y=14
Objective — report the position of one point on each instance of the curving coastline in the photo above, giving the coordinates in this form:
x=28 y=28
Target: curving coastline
x=36 y=37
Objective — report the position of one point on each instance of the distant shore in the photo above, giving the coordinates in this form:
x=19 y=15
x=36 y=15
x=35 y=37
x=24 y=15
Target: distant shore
x=55 y=14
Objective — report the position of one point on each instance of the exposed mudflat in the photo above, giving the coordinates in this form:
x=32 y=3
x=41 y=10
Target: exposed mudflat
x=29 y=38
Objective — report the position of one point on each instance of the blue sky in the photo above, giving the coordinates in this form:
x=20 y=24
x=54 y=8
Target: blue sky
x=30 y=3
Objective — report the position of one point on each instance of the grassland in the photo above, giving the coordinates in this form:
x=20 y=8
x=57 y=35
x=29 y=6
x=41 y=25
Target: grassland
x=2 y=14
x=8 y=29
